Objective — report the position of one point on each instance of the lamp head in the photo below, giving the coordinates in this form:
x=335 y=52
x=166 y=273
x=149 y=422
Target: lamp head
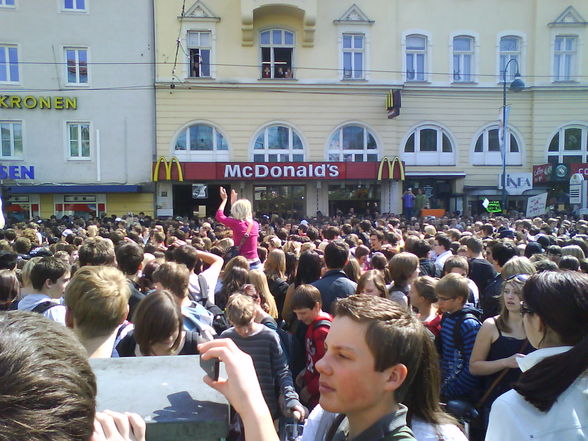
x=517 y=85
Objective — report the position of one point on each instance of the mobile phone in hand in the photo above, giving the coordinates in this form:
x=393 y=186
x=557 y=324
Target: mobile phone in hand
x=211 y=367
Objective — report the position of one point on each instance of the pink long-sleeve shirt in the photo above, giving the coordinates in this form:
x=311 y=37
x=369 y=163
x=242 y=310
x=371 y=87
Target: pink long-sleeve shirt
x=239 y=228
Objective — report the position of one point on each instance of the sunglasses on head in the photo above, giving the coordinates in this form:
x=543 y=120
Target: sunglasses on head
x=518 y=277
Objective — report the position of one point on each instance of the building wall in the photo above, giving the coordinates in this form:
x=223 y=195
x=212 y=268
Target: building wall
x=239 y=103
x=117 y=100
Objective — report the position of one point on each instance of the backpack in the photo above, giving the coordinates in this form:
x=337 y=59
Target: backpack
x=219 y=321
x=471 y=313
x=44 y=306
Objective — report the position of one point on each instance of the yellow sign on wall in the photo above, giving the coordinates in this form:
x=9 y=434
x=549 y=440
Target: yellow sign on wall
x=168 y=169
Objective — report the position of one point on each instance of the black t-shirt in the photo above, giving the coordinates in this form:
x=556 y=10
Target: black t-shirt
x=126 y=347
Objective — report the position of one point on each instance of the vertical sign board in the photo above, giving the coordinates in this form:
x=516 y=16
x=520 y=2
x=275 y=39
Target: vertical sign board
x=537 y=205
x=576 y=188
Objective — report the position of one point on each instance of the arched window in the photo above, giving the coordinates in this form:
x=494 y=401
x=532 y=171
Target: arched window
x=428 y=145
x=201 y=139
x=278 y=143
x=277 y=48
x=353 y=143
x=569 y=145
x=487 y=148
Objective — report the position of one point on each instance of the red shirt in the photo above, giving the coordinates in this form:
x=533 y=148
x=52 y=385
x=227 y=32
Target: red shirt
x=315 y=350
x=434 y=325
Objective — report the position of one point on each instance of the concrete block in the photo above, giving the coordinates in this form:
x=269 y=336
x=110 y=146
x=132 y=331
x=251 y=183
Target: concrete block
x=168 y=392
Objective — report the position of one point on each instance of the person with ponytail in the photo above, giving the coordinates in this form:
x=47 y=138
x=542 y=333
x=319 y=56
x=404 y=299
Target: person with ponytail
x=550 y=400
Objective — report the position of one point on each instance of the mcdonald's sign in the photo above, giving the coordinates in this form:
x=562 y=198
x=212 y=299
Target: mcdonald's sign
x=395 y=169
x=393 y=103
x=168 y=164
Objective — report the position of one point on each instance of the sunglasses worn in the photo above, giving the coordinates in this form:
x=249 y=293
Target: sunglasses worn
x=525 y=309
x=519 y=277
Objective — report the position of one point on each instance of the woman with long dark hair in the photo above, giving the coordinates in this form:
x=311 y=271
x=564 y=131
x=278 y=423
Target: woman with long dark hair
x=308 y=271
x=549 y=402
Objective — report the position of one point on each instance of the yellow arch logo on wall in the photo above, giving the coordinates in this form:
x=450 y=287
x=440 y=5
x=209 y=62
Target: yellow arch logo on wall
x=392 y=165
x=168 y=164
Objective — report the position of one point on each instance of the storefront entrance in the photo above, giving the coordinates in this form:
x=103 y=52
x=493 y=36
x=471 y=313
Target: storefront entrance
x=288 y=201
x=189 y=202
x=437 y=191
x=354 y=199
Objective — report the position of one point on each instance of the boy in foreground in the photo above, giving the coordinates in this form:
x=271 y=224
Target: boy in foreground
x=459 y=328
x=307 y=304
x=373 y=349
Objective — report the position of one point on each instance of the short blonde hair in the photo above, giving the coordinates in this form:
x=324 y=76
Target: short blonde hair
x=241 y=209
x=517 y=265
x=98 y=297
x=240 y=310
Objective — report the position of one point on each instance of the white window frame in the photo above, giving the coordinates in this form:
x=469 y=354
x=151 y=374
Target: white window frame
x=426 y=52
x=272 y=46
x=199 y=47
x=201 y=155
x=462 y=54
x=487 y=157
x=364 y=152
x=5 y=47
x=290 y=151
x=77 y=50
x=561 y=153
x=74 y=9
x=79 y=157
x=571 y=75
x=437 y=157
x=353 y=50
x=4 y=5
x=12 y=123
x=518 y=55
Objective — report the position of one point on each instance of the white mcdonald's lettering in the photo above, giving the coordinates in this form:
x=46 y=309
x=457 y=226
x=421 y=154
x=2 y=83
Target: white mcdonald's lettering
x=259 y=171
x=232 y=171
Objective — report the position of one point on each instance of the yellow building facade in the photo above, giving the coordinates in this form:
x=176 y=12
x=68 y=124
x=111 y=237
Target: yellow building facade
x=295 y=104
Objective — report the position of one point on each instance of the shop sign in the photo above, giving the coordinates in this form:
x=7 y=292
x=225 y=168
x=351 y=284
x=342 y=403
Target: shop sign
x=542 y=173
x=387 y=169
x=394 y=165
x=516 y=183
x=17 y=172
x=492 y=206
x=38 y=102
x=561 y=172
x=580 y=168
x=168 y=166
x=576 y=188
x=282 y=171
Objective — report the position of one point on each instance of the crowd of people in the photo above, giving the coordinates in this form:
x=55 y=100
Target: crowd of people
x=383 y=328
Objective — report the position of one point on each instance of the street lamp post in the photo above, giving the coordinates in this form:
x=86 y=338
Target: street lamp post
x=516 y=86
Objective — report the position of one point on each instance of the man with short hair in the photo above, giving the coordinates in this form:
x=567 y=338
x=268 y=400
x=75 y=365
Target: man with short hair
x=97 y=300
x=500 y=253
x=335 y=284
x=481 y=271
x=96 y=251
x=49 y=278
x=442 y=249
x=129 y=258
x=377 y=238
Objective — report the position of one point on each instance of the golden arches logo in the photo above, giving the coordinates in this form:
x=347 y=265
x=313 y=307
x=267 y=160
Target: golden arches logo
x=395 y=162
x=168 y=168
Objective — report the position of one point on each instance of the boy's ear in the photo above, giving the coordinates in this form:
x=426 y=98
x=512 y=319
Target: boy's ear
x=395 y=376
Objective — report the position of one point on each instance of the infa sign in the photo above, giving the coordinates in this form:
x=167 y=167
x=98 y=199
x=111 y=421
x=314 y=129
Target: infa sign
x=516 y=183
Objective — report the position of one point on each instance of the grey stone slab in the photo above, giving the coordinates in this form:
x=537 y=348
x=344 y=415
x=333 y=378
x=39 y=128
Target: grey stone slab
x=168 y=392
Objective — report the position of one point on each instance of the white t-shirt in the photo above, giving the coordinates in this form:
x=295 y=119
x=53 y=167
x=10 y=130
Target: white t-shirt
x=211 y=276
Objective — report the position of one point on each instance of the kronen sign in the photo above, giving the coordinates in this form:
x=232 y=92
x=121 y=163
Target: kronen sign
x=40 y=102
